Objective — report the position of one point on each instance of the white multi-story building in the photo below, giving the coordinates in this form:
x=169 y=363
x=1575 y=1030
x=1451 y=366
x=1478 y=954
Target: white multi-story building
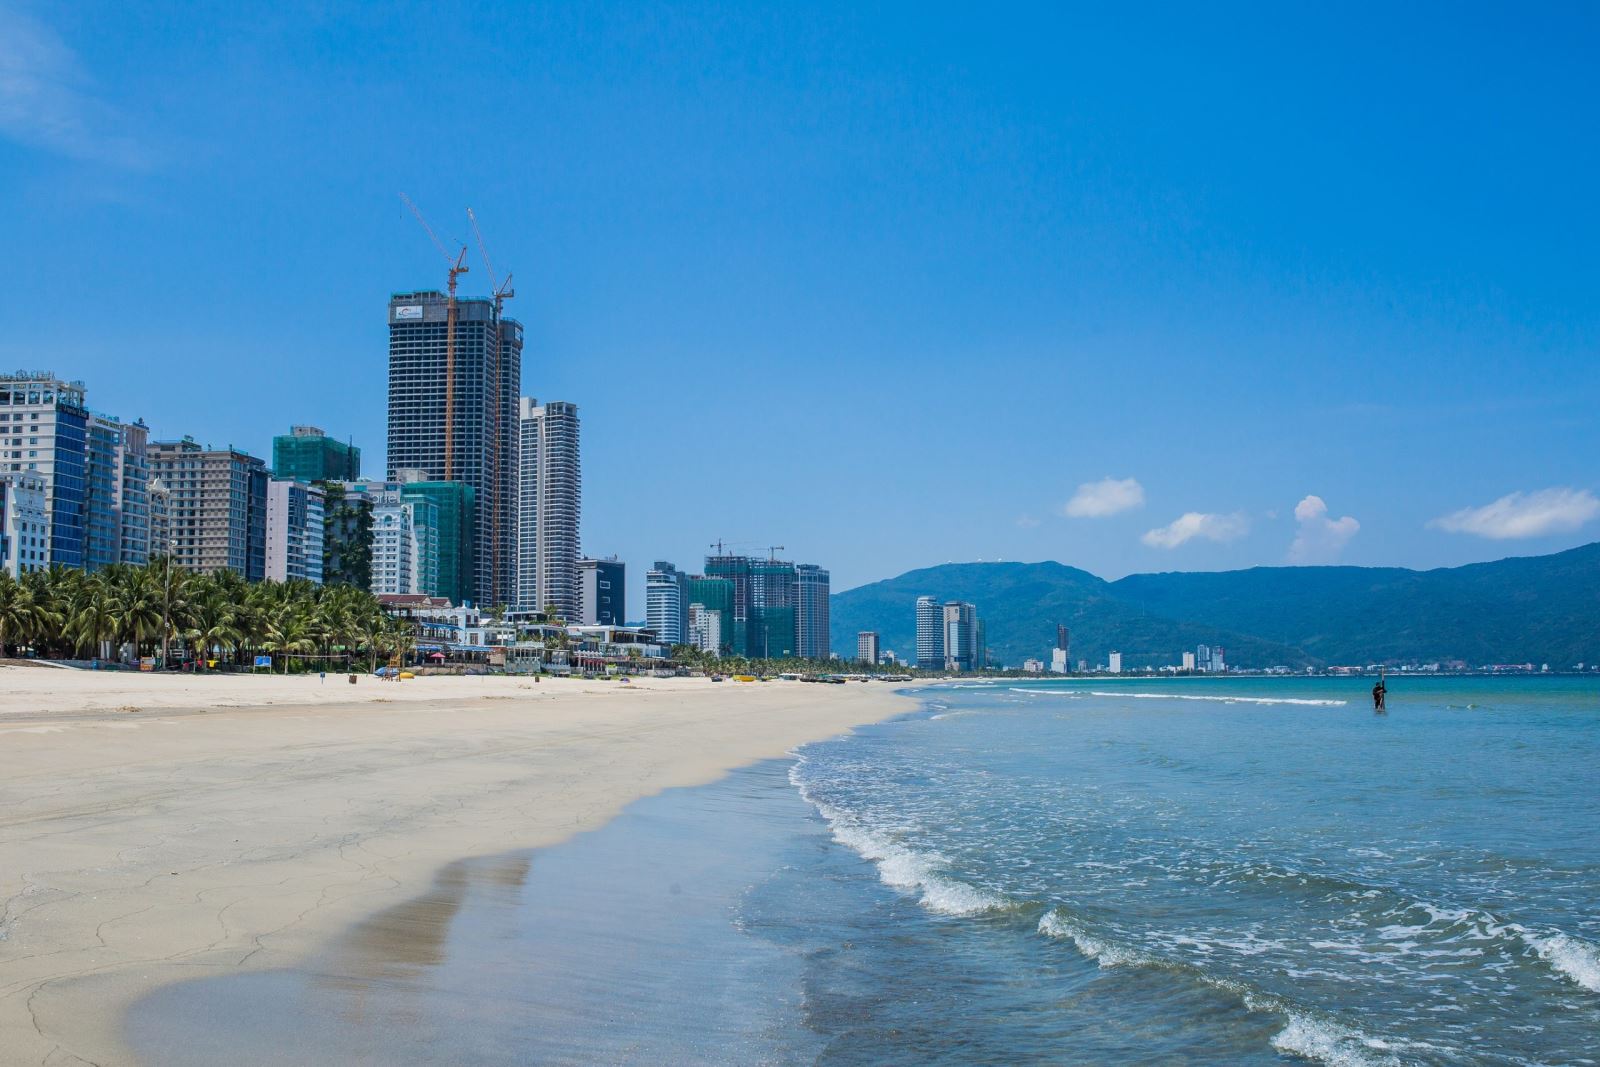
x=930 y=633
x=1058 y=661
x=1188 y=661
x=549 y=506
x=24 y=524
x=1114 y=663
x=405 y=541
x=44 y=432
x=705 y=628
x=294 y=531
x=666 y=603
x=867 y=646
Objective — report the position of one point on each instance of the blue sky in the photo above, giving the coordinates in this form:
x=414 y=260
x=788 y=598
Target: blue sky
x=884 y=285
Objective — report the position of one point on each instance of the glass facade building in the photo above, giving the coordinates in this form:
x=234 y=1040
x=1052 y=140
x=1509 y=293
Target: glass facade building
x=306 y=454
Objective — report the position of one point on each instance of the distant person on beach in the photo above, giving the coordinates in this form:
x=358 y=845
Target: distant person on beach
x=1379 y=691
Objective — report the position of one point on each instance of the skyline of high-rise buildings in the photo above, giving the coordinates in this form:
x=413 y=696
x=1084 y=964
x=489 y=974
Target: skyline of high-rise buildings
x=87 y=490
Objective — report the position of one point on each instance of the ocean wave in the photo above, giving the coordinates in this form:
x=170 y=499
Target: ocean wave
x=1215 y=698
x=1222 y=699
x=1304 y=1034
x=1572 y=957
x=900 y=867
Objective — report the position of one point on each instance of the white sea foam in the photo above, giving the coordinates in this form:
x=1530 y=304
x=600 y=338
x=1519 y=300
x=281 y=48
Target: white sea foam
x=1105 y=953
x=1574 y=958
x=1222 y=699
x=1330 y=1043
x=902 y=868
x=1216 y=698
x=1304 y=1035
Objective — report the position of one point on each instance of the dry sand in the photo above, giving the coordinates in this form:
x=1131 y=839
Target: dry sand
x=155 y=829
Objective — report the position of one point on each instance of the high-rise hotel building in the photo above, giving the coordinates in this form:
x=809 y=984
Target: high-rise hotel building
x=216 y=507
x=811 y=612
x=549 y=506
x=92 y=470
x=461 y=426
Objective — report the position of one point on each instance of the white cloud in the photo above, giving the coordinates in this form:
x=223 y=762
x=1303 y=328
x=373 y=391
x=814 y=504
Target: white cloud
x=1515 y=515
x=1319 y=538
x=46 y=97
x=1108 y=496
x=1192 y=524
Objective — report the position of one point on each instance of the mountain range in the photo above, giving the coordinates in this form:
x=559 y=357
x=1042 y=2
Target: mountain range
x=1538 y=609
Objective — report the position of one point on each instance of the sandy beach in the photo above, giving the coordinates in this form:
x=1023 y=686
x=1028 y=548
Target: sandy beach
x=156 y=829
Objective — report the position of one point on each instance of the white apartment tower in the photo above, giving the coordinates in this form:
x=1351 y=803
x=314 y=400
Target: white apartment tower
x=705 y=629
x=549 y=504
x=666 y=604
x=930 y=633
x=294 y=531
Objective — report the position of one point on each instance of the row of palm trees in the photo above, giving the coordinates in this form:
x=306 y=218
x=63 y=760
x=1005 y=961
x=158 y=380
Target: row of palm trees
x=124 y=612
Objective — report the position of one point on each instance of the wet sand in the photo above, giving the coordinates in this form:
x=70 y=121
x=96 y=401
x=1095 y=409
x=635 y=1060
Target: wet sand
x=237 y=824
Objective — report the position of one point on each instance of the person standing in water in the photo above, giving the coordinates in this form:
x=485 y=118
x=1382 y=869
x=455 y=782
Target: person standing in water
x=1379 y=692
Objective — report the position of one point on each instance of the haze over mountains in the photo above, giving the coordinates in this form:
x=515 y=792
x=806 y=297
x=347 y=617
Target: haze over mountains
x=1538 y=609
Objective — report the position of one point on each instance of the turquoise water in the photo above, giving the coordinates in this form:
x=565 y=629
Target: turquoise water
x=1420 y=887
x=1226 y=871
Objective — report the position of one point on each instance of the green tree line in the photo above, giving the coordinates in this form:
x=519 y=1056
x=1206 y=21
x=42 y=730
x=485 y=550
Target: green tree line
x=160 y=609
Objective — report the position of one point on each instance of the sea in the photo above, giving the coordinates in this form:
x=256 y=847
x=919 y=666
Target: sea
x=1129 y=871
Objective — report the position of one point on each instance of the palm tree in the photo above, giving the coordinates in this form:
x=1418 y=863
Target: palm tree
x=134 y=604
x=400 y=635
x=22 y=617
x=211 y=624
x=89 y=624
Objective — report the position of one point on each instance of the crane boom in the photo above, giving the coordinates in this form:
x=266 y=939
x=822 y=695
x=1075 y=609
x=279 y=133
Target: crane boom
x=458 y=266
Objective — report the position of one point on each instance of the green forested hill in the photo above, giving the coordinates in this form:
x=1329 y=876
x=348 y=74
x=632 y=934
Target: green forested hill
x=1533 y=609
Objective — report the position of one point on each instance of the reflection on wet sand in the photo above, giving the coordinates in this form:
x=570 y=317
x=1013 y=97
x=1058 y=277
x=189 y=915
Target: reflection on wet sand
x=401 y=940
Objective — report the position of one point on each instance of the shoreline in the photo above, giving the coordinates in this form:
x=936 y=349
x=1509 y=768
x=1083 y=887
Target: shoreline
x=243 y=832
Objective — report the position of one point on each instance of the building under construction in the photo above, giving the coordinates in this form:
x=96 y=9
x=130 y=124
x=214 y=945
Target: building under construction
x=460 y=424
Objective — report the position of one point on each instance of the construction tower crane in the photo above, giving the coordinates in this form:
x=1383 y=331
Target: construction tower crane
x=502 y=290
x=772 y=553
x=502 y=293
x=458 y=266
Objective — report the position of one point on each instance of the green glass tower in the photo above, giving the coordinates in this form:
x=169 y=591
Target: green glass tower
x=456 y=504
x=306 y=454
